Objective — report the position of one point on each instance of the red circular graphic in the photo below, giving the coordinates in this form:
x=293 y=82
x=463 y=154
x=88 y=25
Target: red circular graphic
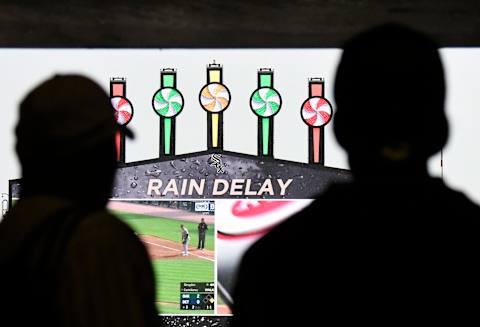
x=244 y=209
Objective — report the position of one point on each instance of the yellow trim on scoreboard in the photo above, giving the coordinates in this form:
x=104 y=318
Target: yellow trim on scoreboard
x=214 y=76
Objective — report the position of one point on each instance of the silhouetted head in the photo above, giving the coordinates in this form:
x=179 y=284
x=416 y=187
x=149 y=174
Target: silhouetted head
x=203 y=220
x=390 y=92
x=66 y=140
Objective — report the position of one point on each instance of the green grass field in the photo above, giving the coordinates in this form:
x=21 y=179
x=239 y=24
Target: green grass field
x=165 y=228
x=170 y=273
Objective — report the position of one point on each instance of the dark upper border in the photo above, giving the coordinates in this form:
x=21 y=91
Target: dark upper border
x=227 y=24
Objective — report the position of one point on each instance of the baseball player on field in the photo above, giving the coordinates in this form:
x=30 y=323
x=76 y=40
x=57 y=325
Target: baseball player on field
x=185 y=239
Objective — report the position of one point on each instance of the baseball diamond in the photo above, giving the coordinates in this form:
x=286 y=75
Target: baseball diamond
x=161 y=237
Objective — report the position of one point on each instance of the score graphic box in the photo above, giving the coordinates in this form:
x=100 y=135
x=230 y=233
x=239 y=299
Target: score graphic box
x=197 y=296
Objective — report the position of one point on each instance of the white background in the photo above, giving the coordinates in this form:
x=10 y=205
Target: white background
x=22 y=69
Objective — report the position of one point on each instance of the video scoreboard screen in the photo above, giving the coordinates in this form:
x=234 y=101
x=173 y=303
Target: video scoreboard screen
x=228 y=144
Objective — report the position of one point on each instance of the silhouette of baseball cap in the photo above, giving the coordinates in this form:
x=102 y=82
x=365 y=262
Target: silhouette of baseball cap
x=63 y=116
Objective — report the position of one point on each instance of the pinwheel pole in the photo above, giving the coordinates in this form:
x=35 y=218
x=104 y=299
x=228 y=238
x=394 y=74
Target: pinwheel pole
x=265 y=102
x=214 y=98
x=123 y=111
x=316 y=112
x=167 y=103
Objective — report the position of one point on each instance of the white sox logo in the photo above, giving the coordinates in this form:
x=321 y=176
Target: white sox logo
x=216 y=161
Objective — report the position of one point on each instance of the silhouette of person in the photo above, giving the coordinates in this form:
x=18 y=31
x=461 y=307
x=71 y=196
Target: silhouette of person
x=392 y=246
x=202 y=232
x=64 y=260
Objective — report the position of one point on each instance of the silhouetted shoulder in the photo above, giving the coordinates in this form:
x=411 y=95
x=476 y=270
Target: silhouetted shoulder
x=102 y=227
x=102 y=239
x=107 y=277
x=364 y=251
